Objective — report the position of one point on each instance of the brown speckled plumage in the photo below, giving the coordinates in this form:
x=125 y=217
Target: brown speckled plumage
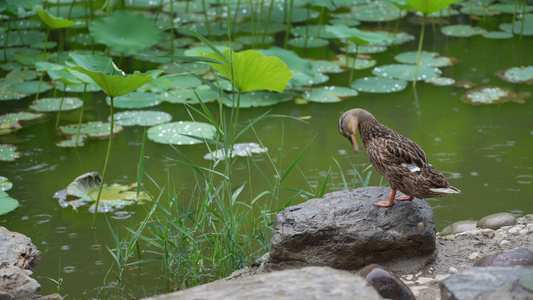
x=401 y=161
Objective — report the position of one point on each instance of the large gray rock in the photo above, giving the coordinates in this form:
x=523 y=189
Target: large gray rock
x=494 y=283
x=345 y=230
x=18 y=257
x=306 y=283
x=517 y=257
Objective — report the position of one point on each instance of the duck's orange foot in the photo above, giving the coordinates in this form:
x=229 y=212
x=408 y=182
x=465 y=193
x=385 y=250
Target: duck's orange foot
x=404 y=198
x=384 y=204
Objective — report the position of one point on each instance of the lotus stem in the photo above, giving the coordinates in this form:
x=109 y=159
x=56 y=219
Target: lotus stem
x=419 y=50
x=105 y=165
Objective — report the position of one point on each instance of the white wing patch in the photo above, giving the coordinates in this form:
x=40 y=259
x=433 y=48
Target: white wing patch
x=445 y=190
x=411 y=167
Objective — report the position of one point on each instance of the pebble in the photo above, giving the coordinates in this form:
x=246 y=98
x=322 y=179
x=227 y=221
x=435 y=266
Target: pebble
x=409 y=277
x=499 y=236
x=423 y=280
x=514 y=230
x=441 y=277
x=487 y=232
x=452 y=270
x=505 y=243
x=474 y=256
x=524 y=231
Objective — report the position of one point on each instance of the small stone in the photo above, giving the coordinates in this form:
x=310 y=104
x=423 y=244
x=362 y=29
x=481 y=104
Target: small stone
x=474 y=256
x=452 y=270
x=514 y=230
x=385 y=282
x=423 y=280
x=458 y=227
x=499 y=236
x=487 y=232
x=518 y=257
x=409 y=277
x=419 y=288
x=496 y=221
x=524 y=231
x=505 y=243
x=441 y=277
x=408 y=282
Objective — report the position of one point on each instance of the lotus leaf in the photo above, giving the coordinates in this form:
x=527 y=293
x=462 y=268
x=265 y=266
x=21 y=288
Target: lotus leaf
x=55 y=22
x=259 y=99
x=441 y=81
x=492 y=95
x=242 y=149
x=293 y=61
x=509 y=8
x=517 y=74
x=328 y=94
x=154 y=56
x=92 y=129
x=58 y=72
x=73 y=141
x=9 y=152
x=29 y=58
x=498 y=35
x=7 y=128
x=298 y=15
x=7 y=204
x=326 y=66
x=462 y=30
x=125 y=32
x=311 y=42
x=29 y=36
x=377 y=11
x=135 y=100
x=479 y=11
x=193 y=68
x=378 y=85
x=5 y=184
x=168 y=82
x=85 y=189
x=357 y=36
x=142 y=118
x=20 y=116
x=348 y=62
x=315 y=31
x=430 y=6
x=301 y=79
x=56 y=104
x=427 y=59
x=178 y=133
x=205 y=93
x=406 y=72
x=344 y=19
x=520 y=27
x=251 y=40
x=29 y=87
x=364 y=49
x=252 y=70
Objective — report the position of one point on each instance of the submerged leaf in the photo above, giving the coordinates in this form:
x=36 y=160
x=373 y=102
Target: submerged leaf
x=9 y=152
x=178 y=133
x=5 y=184
x=492 y=95
x=517 y=74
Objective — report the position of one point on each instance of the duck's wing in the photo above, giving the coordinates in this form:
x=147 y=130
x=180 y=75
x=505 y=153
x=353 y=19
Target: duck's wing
x=396 y=152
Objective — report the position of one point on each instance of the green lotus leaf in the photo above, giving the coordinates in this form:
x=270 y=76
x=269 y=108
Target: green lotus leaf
x=205 y=93
x=273 y=28
x=479 y=11
x=364 y=49
x=135 y=100
x=73 y=141
x=293 y=61
x=343 y=19
x=85 y=189
x=517 y=74
x=298 y=14
x=443 y=13
x=406 y=72
x=141 y=118
x=329 y=94
x=377 y=11
x=5 y=184
x=241 y=149
x=58 y=72
x=55 y=22
x=30 y=87
x=326 y=66
x=259 y=99
x=312 y=31
x=104 y=72
x=9 y=152
x=378 y=85
x=300 y=79
x=7 y=204
x=252 y=70
x=165 y=83
x=29 y=58
x=20 y=116
x=155 y=56
x=178 y=133
x=19 y=75
x=8 y=128
x=25 y=24
x=509 y=8
x=492 y=95
x=427 y=59
x=254 y=40
x=56 y=104
x=430 y=6
x=348 y=62
x=311 y=42
x=193 y=68
x=27 y=37
x=195 y=51
x=357 y=36
x=125 y=32
x=462 y=30
x=498 y=35
x=92 y=129
x=520 y=27
x=441 y=81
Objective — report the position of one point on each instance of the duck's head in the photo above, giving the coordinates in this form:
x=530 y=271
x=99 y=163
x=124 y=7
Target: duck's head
x=349 y=123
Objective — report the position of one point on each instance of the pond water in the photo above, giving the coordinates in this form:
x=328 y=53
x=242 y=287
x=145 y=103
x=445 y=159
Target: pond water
x=484 y=150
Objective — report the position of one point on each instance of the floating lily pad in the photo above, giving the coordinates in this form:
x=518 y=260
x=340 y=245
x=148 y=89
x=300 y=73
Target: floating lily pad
x=7 y=128
x=362 y=62
x=9 y=152
x=135 y=100
x=378 y=85
x=73 y=141
x=328 y=94
x=92 y=129
x=178 y=133
x=125 y=32
x=165 y=83
x=428 y=59
x=302 y=79
x=406 y=72
x=498 y=35
x=311 y=42
x=509 y=8
x=56 y=104
x=364 y=49
x=5 y=184
x=251 y=40
x=260 y=98
x=141 y=118
x=517 y=74
x=205 y=93
x=343 y=19
x=326 y=66
x=462 y=30
x=193 y=68
x=242 y=149
x=492 y=95
x=20 y=116
x=441 y=81
x=84 y=190
x=377 y=11
x=7 y=204
x=479 y=11
x=30 y=87
x=315 y=31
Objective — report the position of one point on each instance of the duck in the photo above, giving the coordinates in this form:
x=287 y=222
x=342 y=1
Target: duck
x=397 y=158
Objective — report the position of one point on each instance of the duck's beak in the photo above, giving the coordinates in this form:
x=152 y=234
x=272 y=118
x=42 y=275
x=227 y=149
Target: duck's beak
x=354 y=143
